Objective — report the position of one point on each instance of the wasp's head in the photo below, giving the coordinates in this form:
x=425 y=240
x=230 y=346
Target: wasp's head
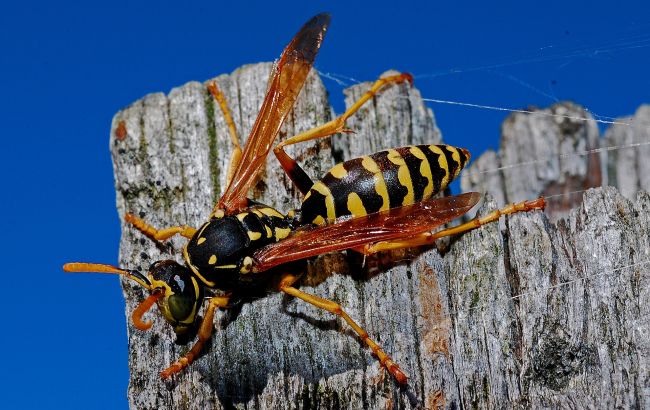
x=177 y=293
x=171 y=286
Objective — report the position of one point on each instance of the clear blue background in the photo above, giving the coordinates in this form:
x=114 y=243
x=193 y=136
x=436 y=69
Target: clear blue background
x=67 y=68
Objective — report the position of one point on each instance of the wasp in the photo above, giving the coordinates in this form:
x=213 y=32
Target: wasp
x=374 y=203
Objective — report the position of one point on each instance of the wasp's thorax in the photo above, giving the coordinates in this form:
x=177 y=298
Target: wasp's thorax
x=220 y=252
x=182 y=294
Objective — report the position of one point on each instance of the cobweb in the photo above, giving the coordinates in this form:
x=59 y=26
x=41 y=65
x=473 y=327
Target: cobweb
x=536 y=78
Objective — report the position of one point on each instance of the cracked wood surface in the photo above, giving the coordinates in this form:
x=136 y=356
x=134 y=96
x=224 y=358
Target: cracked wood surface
x=578 y=335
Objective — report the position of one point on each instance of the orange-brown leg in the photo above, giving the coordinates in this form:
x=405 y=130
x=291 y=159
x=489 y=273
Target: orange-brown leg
x=205 y=332
x=235 y=157
x=427 y=238
x=159 y=234
x=337 y=125
x=335 y=308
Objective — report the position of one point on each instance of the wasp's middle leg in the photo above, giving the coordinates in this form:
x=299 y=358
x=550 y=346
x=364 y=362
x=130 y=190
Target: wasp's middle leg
x=333 y=307
x=300 y=179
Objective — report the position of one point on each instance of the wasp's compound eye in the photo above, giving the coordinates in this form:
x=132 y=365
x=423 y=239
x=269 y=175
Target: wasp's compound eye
x=181 y=306
x=183 y=294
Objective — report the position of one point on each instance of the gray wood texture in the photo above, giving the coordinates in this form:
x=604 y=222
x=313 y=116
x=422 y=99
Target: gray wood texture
x=628 y=168
x=550 y=143
x=532 y=315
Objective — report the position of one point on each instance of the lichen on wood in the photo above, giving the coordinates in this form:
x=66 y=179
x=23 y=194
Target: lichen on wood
x=533 y=315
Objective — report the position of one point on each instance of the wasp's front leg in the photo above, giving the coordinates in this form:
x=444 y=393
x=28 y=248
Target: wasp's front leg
x=159 y=234
x=204 y=334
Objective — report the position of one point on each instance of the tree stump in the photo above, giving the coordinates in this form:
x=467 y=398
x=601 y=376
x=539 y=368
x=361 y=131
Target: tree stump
x=535 y=315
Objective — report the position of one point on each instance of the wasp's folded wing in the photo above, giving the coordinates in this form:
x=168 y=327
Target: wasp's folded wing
x=397 y=223
x=285 y=83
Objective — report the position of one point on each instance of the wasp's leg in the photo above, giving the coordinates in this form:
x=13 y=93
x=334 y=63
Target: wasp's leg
x=300 y=179
x=159 y=234
x=427 y=238
x=235 y=157
x=335 y=308
x=204 y=334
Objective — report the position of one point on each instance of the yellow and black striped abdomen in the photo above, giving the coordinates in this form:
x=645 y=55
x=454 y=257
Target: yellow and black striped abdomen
x=384 y=180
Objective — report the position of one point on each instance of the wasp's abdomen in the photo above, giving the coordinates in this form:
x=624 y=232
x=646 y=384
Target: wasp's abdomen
x=384 y=180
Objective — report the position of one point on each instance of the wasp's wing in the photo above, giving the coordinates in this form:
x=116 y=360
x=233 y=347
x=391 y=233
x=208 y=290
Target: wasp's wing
x=393 y=224
x=285 y=83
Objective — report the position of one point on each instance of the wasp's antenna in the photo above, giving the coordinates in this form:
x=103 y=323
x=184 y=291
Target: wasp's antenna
x=102 y=268
x=143 y=308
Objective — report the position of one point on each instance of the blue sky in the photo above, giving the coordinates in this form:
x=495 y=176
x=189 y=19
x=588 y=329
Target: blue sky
x=67 y=68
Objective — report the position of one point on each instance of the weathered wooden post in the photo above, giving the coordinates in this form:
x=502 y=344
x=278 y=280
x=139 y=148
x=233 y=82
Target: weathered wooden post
x=536 y=315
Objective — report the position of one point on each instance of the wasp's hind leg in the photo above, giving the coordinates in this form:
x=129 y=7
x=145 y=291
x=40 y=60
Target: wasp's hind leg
x=300 y=179
x=235 y=157
x=204 y=334
x=333 y=307
x=159 y=234
x=428 y=238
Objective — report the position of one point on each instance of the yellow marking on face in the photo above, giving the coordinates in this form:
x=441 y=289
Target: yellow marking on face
x=212 y=260
x=442 y=162
x=200 y=241
x=306 y=196
x=281 y=233
x=253 y=236
x=161 y=284
x=196 y=288
x=162 y=303
x=338 y=171
x=192 y=316
x=456 y=157
x=271 y=212
x=258 y=213
x=319 y=220
x=329 y=199
x=269 y=233
x=425 y=171
x=241 y=216
x=355 y=205
x=186 y=256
